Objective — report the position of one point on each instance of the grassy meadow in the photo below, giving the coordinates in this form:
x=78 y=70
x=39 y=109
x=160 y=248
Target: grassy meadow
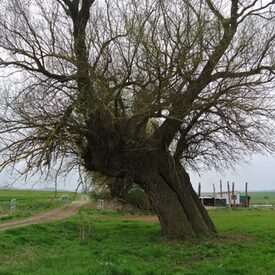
x=28 y=202
x=262 y=198
x=98 y=243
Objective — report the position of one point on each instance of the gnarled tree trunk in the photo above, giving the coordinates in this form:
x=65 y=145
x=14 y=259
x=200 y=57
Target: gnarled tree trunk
x=159 y=174
x=178 y=207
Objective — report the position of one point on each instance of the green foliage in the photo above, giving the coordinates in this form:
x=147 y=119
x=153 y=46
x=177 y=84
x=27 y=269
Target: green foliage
x=138 y=199
x=102 y=194
x=84 y=226
x=99 y=185
x=246 y=246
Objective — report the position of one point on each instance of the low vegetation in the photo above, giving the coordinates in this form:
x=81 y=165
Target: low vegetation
x=262 y=198
x=29 y=203
x=98 y=242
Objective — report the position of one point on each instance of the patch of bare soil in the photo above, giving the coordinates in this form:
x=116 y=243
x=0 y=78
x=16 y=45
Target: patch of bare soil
x=139 y=218
x=236 y=238
x=53 y=215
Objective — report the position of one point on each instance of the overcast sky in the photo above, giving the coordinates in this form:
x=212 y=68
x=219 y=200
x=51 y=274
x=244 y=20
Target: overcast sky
x=260 y=175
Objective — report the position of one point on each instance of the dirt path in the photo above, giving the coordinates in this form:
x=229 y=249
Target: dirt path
x=53 y=215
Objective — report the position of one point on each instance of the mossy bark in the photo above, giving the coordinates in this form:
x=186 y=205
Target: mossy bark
x=180 y=211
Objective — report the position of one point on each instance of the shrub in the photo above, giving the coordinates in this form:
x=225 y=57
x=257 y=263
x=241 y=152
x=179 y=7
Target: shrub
x=137 y=198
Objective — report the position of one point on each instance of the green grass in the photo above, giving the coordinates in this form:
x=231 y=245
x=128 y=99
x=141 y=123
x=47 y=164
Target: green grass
x=28 y=202
x=246 y=246
x=262 y=197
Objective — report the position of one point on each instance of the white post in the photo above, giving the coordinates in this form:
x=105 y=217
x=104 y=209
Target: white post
x=13 y=206
x=100 y=204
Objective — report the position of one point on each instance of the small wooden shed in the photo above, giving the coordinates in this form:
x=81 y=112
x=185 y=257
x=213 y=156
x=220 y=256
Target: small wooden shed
x=233 y=200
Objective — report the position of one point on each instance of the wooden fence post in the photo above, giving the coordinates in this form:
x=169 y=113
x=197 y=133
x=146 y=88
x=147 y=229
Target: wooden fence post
x=214 y=190
x=246 y=195
x=228 y=193
x=233 y=193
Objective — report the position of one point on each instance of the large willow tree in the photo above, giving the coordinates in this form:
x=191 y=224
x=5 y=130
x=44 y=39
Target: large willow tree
x=138 y=90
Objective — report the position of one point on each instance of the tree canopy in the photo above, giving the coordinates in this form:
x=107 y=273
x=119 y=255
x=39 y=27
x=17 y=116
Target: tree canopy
x=104 y=84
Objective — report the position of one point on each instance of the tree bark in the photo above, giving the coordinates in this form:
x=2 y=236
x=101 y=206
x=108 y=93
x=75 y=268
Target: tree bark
x=180 y=212
x=179 y=180
x=164 y=180
x=173 y=220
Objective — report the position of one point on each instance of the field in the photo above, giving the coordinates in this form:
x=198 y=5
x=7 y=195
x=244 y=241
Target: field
x=28 y=202
x=102 y=243
x=262 y=197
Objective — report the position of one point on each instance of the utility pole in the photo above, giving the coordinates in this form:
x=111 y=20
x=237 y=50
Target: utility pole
x=214 y=190
x=233 y=193
x=246 y=195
